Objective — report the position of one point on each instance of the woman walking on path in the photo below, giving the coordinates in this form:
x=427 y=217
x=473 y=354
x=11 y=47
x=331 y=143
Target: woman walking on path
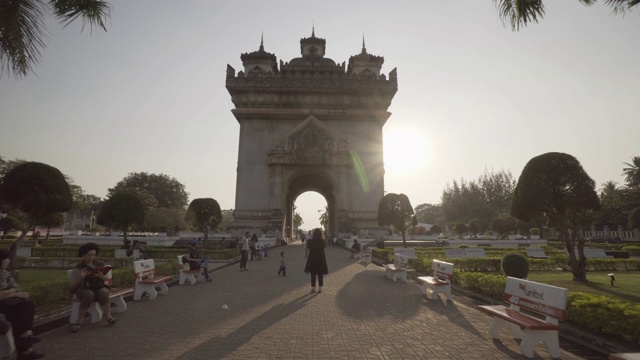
x=316 y=261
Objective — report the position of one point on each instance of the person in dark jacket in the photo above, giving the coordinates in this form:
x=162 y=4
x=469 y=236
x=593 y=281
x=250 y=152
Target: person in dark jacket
x=316 y=261
x=18 y=310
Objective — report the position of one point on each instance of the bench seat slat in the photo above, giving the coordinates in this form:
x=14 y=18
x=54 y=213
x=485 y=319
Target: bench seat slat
x=393 y=267
x=516 y=317
x=433 y=281
x=114 y=292
x=156 y=280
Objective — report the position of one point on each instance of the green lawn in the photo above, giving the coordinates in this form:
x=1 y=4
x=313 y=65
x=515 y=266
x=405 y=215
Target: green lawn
x=627 y=285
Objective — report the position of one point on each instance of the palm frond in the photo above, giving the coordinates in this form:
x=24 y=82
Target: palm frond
x=22 y=35
x=622 y=6
x=92 y=12
x=519 y=13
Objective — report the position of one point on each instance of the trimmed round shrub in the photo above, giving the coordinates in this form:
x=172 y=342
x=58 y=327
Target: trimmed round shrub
x=515 y=265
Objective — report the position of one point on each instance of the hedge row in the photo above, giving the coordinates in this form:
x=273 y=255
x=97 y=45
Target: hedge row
x=107 y=252
x=493 y=263
x=598 y=314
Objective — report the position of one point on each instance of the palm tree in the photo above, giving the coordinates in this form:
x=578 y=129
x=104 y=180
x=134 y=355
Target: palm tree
x=632 y=172
x=22 y=30
x=608 y=188
x=520 y=13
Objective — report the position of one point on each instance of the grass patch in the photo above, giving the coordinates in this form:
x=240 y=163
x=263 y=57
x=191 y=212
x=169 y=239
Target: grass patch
x=627 y=285
x=28 y=277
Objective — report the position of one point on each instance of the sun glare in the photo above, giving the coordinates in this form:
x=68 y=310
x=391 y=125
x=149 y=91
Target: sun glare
x=405 y=151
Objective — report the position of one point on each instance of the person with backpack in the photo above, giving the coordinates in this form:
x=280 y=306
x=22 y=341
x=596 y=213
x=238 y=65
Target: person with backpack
x=195 y=263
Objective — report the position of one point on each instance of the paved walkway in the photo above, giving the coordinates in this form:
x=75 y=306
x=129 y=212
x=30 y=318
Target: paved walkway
x=360 y=315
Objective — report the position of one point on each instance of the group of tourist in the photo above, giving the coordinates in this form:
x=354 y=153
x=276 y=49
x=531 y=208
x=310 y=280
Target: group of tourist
x=88 y=282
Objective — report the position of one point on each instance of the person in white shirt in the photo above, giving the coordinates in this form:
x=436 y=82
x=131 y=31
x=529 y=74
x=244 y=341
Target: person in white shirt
x=244 y=251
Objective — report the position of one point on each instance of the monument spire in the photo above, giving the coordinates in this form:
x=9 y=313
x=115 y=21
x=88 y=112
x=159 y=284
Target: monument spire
x=313 y=29
x=364 y=49
x=262 y=41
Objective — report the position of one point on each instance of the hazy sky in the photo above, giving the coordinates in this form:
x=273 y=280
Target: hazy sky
x=149 y=95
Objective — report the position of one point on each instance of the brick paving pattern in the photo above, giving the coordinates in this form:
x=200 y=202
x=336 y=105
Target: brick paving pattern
x=359 y=315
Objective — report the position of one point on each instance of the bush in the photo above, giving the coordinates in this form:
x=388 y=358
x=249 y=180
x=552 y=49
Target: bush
x=515 y=265
x=634 y=250
x=603 y=315
x=534 y=231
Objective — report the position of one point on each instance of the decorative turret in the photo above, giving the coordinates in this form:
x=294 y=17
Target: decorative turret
x=259 y=63
x=365 y=65
x=312 y=46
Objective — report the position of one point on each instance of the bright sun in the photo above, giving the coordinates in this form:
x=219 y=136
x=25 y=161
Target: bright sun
x=405 y=151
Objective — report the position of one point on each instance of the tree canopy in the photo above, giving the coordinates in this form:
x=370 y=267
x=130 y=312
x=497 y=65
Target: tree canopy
x=429 y=213
x=484 y=199
x=520 y=13
x=634 y=219
x=36 y=189
x=122 y=210
x=204 y=214
x=169 y=221
x=396 y=210
x=9 y=223
x=632 y=172
x=155 y=190
x=556 y=186
x=23 y=32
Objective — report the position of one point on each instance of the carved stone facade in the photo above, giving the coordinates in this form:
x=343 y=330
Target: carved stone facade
x=309 y=125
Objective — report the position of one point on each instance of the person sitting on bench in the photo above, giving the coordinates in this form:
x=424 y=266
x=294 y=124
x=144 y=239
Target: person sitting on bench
x=355 y=248
x=195 y=262
x=18 y=310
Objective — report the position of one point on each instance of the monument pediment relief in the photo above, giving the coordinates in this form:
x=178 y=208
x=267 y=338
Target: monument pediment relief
x=311 y=135
x=310 y=143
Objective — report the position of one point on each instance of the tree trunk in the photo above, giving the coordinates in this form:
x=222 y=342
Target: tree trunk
x=124 y=233
x=404 y=242
x=47 y=236
x=14 y=249
x=577 y=265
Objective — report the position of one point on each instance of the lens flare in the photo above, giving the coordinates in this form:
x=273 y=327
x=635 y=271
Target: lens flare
x=359 y=168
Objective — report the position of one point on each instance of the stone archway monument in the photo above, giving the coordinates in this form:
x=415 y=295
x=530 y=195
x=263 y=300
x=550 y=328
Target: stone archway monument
x=309 y=125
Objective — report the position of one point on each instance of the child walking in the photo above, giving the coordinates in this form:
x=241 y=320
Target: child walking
x=283 y=265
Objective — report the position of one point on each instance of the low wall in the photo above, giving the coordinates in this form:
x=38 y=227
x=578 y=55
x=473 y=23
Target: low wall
x=117 y=240
x=499 y=243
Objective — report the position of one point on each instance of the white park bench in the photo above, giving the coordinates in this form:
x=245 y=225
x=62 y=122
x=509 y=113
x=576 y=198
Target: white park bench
x=365 y=257
x=474 y=252
x=440 y=282
x=455 y=253
x=116 y=297
x=397 y=270
x=536 y=253
x=544 y=300
x=147 y=281
x=192 y=275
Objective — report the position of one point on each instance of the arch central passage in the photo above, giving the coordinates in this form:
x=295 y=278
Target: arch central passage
x=309 y=125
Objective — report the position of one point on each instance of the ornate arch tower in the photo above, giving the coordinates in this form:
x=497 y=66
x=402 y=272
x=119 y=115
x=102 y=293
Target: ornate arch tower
x=309 y=125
